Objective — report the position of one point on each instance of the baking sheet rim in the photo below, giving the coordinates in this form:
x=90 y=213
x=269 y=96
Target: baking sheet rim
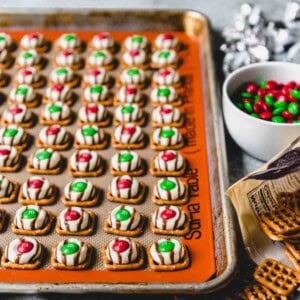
x=228 y=224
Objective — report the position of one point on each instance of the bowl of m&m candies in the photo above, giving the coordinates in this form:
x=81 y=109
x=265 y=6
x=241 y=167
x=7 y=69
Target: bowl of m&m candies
x=261 y=106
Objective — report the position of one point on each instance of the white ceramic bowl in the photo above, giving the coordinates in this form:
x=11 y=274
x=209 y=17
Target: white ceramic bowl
x=261 y=139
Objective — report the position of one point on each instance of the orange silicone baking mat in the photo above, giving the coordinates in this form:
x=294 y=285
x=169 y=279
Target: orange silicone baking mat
x=200 y=239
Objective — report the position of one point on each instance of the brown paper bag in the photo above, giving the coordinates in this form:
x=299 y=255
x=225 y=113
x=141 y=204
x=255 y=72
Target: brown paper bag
x=256 y=193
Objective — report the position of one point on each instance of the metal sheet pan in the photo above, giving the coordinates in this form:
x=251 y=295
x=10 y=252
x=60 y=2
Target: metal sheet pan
x=195 y=25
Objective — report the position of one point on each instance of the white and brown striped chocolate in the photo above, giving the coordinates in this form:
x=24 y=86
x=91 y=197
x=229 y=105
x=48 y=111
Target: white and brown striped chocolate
x=170 y=224
x=74 y=225
x=103 y=43
x=16 y=140
x=28 y=62
x=62 y=78
x=4 y=56
x=164 y=61
x=162 y=99
x=95 y=139
x=6 y=187
x=173 y=116
x=130 y=192
x=11 y=159
x=124 y=97
x=22 y=77
x=139 y=58
x=64 y=114
x=69 y=60
x=167 y=141
x=94 y=97
x=33 y=193
x=39 y=222
x=129 y=44
x=6 y=40
x=87 y=166
x=127 y=79
x=92 y=77
x=56 y=95
x=134 y=116
x=124 y=138
x=12 y=255
x=100 y=61
x=161 y=42
x=53 y=139
x=167 y=258
x=46 y=164
x=171 y=78
x=130 y=224
x=88 y=194
x=69 y=44
x=126 y=257
x=174 y=194
x=28 y=42
x=75 y=259
x=175 y=164
x=23 y=117
x=126 y=166
x=98 y=116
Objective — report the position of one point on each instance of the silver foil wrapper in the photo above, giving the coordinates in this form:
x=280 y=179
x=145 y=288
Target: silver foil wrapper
x=252 y=38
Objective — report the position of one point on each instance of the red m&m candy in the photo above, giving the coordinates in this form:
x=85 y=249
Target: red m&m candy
x=24 y=247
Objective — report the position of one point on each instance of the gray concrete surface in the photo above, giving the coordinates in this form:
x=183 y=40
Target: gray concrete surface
x=220 y=13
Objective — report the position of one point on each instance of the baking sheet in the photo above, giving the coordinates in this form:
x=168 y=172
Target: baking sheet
x=196 y=28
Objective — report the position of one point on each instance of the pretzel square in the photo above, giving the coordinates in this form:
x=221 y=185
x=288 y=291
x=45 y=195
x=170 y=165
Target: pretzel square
x=258 y=291
x=283 y=221
x=292 y=251
x=277 y=277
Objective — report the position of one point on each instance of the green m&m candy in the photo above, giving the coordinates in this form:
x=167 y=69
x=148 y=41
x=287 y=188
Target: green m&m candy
x=293 y=108
x=278 y=111
x=248 y=106
x=269 y=100
x=29 y=213
x=2 y=38
x=239 y=105
x=61 y=71
x=246 y=95
x=167 y=185
x=132 y=72
x=255 y=115
x=27 y=55
x=78 y=186
x=165 y=246
x=278 y=119
x=128 y=109
x=163 y=92
x=167 y=133
x=22 y=91
x=125 y=157
x=69 y=37
x=99 y=54
x=69 y=248
x=96 y=89
x=10 y=132
x=164 y=54
x=295 y=94
x=280 y=104
x=122 y=214
x=54 y=108
x=263 y=84
x=137 y=39
x=89 y=131
x=44 y=154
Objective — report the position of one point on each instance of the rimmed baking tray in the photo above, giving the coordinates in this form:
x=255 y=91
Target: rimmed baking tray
x=194 y=25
